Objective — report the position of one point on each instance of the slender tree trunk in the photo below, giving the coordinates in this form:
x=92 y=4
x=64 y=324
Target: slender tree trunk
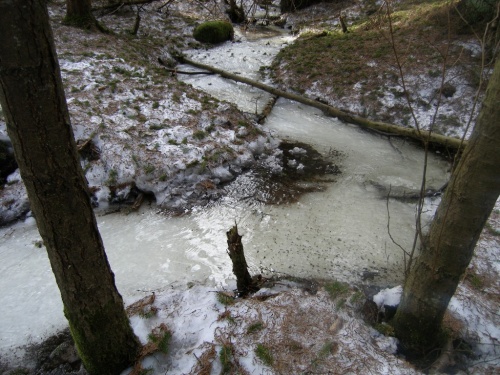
x=32 y=97
x=343 y=24
x=469 y=199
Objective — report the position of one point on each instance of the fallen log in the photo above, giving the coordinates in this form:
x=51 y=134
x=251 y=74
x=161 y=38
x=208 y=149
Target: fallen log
x=176 y=71
x=421 y=136
x=138 y=202
x=185 y=72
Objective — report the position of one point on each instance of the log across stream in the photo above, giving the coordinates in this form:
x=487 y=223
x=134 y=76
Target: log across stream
x=420 y=136
x=339 y=232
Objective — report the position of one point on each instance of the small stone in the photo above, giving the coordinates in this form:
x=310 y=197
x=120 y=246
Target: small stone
x=337 y=325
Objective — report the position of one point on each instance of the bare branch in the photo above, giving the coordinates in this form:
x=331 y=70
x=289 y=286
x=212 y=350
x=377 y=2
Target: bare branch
x=405 y=253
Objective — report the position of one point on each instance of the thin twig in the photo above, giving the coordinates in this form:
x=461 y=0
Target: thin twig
x=405 y=253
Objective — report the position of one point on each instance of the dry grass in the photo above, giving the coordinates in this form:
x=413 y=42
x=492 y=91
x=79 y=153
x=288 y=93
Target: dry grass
x=159 y=340
x=204 y=362
x=295 y=333
x=143 y=307
x=426 y=35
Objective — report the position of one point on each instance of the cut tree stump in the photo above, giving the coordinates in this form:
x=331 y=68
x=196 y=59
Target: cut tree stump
x=244 y=282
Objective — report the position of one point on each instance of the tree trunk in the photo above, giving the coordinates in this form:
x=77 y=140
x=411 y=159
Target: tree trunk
x=244 y=281
x=469 y=199
x=137 y=23
x=32 y=97
x=343 y=24
x=79 y=14
x=424 y=137
x=235 y=13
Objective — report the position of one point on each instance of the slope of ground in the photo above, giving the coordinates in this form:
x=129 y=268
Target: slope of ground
x=420 y=53
x=146 y=127
x=140 y=129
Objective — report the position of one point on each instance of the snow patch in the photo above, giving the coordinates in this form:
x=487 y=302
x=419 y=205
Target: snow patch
x=388 y=297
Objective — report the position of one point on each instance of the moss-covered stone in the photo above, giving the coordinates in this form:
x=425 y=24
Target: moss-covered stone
x=213 y=32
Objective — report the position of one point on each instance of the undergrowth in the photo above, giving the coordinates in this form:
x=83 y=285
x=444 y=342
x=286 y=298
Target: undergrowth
x=264 y=354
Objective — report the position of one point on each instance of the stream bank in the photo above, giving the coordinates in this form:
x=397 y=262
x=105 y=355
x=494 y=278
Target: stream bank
x=184 y=262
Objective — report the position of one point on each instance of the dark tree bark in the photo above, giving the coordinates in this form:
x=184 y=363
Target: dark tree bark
x=137 y=23
x=32 y=98
x=244 y=281
x=343 y=24
x=235 y=13
x=470 y=197
x=293 y=5
x=79 y=14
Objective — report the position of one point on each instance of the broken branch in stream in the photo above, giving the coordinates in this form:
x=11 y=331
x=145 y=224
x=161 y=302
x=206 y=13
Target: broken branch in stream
x=244 y=281
x=176 y=71
x=416 y=134
x=267 y=109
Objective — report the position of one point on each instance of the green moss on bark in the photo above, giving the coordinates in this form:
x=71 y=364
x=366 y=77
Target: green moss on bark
x=97 y=336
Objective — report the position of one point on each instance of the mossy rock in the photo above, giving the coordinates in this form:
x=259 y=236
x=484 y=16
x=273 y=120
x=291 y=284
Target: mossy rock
x=213 y=32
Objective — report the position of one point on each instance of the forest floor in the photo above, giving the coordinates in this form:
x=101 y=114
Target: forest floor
x=149 y=129
x=419 y=65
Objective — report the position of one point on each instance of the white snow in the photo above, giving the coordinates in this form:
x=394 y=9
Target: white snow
x=183 y=259
x=388 y=297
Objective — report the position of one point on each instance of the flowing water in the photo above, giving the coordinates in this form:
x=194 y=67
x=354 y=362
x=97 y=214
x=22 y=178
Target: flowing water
x=340 y=232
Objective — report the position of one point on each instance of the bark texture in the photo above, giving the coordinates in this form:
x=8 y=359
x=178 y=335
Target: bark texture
x=469 y=199
x=424 y=137
x=235 y=13
x=79 y=14
x=32 y=97
x=244 y=281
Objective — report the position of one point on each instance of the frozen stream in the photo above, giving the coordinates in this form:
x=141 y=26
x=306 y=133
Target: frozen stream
x=341 y=232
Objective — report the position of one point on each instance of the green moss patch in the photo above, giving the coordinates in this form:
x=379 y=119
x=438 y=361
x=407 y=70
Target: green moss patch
x=264 y=354
x=213 y=32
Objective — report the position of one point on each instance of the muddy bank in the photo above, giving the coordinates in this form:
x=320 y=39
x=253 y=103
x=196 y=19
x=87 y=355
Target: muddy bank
x=292 y=170
x=303 y=170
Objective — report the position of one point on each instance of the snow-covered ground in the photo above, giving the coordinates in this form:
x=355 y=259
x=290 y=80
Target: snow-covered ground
x=289 y=326
x=143 y=130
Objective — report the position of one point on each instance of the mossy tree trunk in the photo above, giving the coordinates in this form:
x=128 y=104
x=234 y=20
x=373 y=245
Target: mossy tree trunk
x=470 y=197
x=244 y=281
x=32 y=97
